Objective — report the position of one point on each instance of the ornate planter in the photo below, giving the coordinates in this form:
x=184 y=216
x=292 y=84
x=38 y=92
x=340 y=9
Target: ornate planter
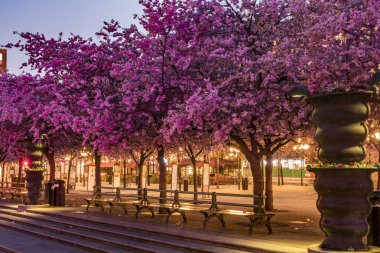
x=344 y=206
x=34 y=185
x=341 y=130
x=343 y=192
x=34 y=175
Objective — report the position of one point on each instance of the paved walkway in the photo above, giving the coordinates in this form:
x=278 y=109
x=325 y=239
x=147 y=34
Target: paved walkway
x=296 y=222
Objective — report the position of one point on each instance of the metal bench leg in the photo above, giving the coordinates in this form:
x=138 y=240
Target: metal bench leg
x=255 y=220
x=205 y=222
x=204 y=226
x=137 y=212
x=182 y=213
x=101 y=206
x=250 y=230
x=167 y=218
x=111 y=208
x=145 y=207
x=221 y=218
x=124 y=208
x=88 y=206
x=205 y=214
x=268 y=224
x=183 y=216
x=213 y=215
x=152 y=212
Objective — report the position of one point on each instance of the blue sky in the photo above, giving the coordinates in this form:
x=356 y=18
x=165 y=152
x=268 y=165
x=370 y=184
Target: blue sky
x=83 y=17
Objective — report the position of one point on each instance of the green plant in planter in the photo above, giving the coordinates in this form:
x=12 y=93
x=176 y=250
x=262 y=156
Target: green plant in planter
x=341 y=165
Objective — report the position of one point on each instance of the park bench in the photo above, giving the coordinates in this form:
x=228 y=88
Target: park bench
x=142 y=202
x=102 y=199
x=110 y=199
x=256 y=216
x=181 y=206
x=124 y=199
x=170 y=208
x=14 y=190
x=20 y=193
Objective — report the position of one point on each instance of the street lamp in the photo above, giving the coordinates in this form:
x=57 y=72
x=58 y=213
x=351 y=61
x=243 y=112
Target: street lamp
x=374 y=141
x=237 y=153
x=83 y=156
x=302 y=148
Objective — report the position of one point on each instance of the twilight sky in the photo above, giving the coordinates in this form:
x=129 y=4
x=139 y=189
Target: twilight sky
x=83 y=17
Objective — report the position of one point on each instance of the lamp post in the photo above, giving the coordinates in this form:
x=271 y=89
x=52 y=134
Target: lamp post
x=124 y=173
x=374 y=139
x=302 y=148
x=236 y=153
x=83 y=156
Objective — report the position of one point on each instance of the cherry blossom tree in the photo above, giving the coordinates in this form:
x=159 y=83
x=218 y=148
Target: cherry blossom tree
x=241 y=76
x=340 y=45
x=85 y=93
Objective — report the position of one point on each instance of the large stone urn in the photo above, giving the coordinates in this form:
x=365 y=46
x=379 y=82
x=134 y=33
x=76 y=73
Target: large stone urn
x=343 y=187
x=34 y=174
x=341 y=129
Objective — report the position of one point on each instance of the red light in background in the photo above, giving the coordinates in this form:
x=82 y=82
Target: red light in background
x=25 y=163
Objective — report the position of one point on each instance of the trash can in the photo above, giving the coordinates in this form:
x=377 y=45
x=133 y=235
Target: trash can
x=373 y=237
x=55 y=192
x=48 y=194
x=185 y=185
x=245 y=184
x=137 y=180
x=199 y=181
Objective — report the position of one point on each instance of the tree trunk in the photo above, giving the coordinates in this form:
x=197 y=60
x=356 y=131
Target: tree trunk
x=268 y=183
x=124 y=173
x=68 y=175
x=98 y=181
x=278 y=172
x=162 y=176
x=217 y=170
x=2 y=174
x=140 y=175
x=19 y=172
x=194 y=165
x=51 y=160
x=378 y=173
x=258 y=182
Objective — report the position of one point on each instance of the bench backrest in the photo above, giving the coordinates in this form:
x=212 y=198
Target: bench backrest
x=178 y=197
x=12 y=185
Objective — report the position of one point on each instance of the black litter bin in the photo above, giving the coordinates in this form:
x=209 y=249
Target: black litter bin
x=55 y=192
x=137 y=180
x=373 y=237
x=48 y=195
x=185 y=185
x=199 y=181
